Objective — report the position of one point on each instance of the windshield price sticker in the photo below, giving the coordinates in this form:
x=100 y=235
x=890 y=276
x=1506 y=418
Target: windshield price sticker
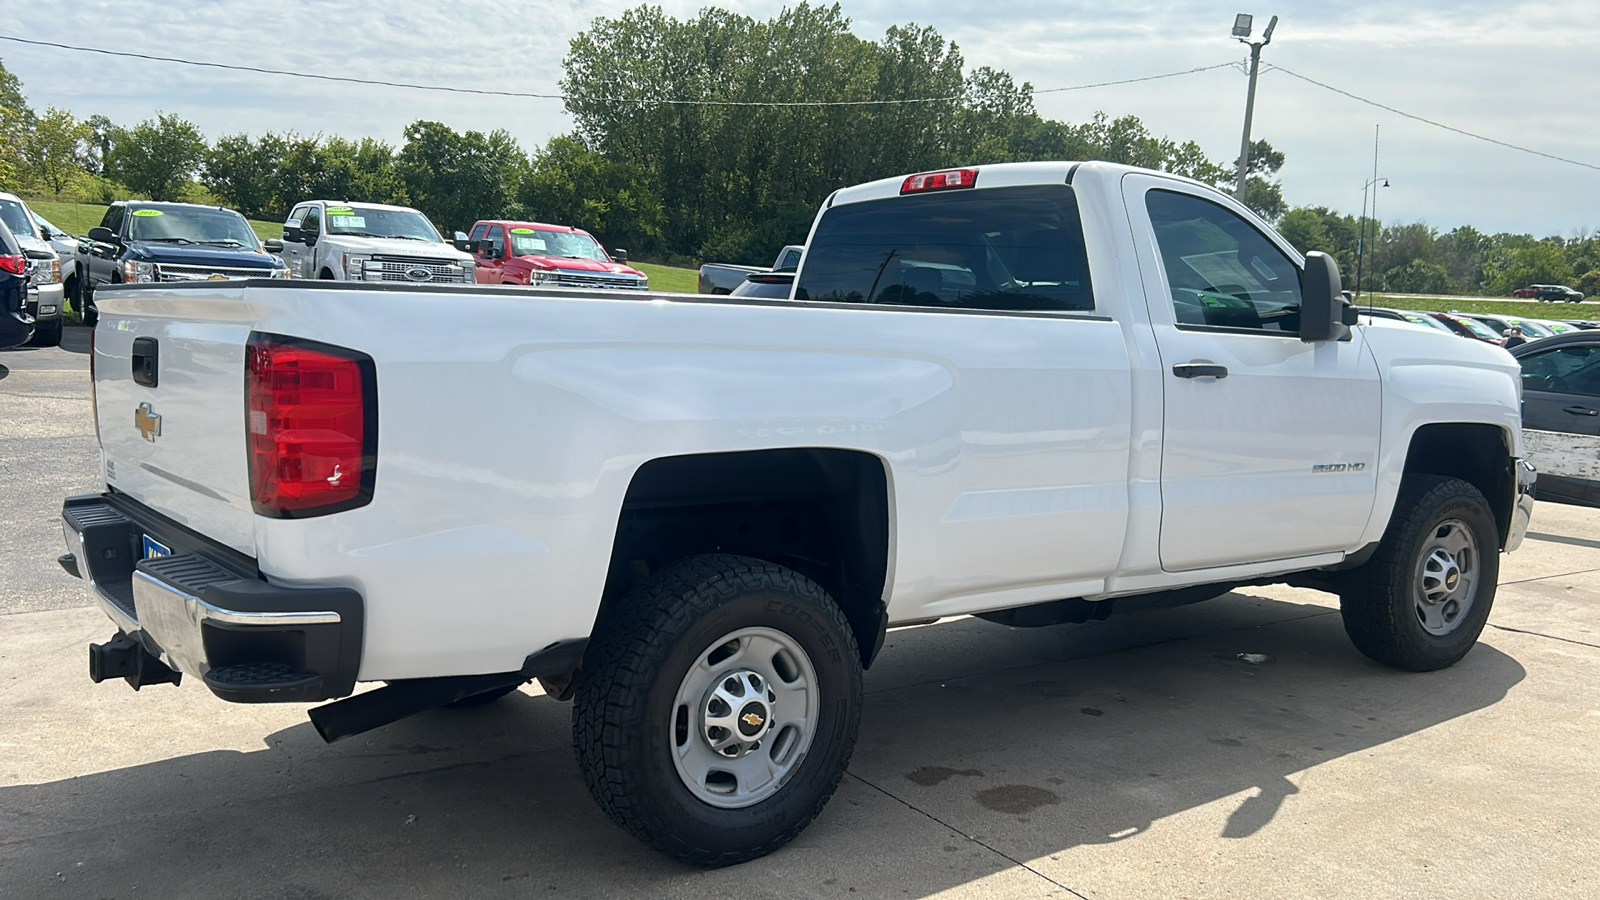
x=340 y=211
x=147 y=212
x=531 y=244
x=522 y=231
x=348 y=221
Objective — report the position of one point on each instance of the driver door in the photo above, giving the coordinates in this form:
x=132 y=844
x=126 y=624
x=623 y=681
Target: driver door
x=1269 y=444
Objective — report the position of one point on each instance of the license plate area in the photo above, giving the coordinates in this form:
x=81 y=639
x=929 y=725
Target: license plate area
x=154 y=549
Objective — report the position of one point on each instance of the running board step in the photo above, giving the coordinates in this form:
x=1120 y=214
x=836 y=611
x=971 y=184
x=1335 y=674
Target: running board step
x=263 y=682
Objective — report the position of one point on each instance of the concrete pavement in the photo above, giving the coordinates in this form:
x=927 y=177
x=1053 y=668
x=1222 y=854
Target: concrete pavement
x=1136 y=757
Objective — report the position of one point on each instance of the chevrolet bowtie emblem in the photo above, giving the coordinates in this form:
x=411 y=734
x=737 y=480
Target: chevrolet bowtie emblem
x=750 y=719
x=148 y=422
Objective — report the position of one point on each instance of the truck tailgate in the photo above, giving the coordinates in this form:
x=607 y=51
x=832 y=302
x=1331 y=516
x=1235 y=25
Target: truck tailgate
x=169 y=371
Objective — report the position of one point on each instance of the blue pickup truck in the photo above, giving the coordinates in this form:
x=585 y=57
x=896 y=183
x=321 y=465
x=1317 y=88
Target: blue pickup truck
x=141 y=241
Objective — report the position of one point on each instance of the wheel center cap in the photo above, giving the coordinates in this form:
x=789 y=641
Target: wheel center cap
x=1452 y=579
x=752 y=719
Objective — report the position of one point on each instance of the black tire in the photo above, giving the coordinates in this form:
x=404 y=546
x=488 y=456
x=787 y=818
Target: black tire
x=1383 y=602
x=86 y=310
x=483 y=699
x=47 y=335
x=627 y=720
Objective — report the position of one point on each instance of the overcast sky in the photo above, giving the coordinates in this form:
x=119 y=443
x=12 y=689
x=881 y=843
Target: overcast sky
x=1520 y=72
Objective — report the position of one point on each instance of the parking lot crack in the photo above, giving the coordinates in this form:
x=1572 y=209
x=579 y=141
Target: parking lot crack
x=1540 y=634
x=989 y=847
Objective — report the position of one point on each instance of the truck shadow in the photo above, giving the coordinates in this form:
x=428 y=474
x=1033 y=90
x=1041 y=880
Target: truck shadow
x=1034 y=743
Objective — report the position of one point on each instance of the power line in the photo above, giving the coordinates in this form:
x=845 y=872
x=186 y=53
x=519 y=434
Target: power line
x=535 y=96
x=1079 y=87
x=1418 y=118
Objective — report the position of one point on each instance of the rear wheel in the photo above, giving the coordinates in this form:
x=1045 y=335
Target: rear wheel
x=718 y=707
x=86 y=310
x=1422 y=600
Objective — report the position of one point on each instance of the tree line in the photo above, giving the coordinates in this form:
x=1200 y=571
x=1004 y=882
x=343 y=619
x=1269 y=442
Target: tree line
x=679 y=154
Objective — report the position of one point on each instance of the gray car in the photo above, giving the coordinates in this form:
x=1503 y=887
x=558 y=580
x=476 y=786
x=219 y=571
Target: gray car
x=45 y=291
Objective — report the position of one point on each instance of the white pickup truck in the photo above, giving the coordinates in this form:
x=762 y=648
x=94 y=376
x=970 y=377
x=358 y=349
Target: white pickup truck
x=1033 y=393
x=341 y=241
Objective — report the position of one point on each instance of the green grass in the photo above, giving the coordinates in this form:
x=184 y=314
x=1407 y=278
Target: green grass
x=78 y=218
x=1528 y=310
x=670 y=279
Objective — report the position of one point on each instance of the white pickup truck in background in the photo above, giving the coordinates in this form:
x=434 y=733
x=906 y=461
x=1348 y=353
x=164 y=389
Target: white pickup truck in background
x=1031 y=392
x=341 y=241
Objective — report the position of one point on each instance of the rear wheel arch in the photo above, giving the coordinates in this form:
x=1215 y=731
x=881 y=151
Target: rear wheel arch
x=822 y=512
x=1475 y=452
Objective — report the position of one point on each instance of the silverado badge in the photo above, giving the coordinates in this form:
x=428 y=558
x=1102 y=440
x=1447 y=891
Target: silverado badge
x=148 y=422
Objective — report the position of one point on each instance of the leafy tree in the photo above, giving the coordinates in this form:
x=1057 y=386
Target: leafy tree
x=97 y=149
x=158 y=156
x=1418 y=277
x=570 y=184
x=243 y=173
x=456 y=179
x=53 y=147
x=15 y=120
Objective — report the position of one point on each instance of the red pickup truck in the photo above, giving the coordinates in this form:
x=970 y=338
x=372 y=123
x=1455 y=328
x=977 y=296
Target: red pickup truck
x=553 y=255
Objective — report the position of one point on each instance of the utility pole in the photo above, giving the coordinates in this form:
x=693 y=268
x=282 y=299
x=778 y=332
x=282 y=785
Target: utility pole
x=1241 y=30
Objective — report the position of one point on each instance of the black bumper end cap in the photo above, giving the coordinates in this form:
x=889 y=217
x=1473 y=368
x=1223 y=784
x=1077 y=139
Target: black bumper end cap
x=70 y=563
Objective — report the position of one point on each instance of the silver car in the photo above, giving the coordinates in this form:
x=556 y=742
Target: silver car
x=45 y=292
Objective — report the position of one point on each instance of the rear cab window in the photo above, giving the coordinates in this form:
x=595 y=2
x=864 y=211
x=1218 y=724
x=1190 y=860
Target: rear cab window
x=1010 y=248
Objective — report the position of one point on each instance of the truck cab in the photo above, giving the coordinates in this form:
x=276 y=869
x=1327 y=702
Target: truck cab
x=534 y=253
x=143 y=242
x=342 y=241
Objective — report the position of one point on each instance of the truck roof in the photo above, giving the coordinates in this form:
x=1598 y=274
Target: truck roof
x=512 y=223
x=1004 y=175
x=362 y=204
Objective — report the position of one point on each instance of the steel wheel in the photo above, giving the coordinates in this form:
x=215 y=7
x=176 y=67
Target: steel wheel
x=1446 y=579
x=744 y=717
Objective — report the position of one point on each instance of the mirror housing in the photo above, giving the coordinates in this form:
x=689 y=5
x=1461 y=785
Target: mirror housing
x=619 y=255
x=291 y=231
x=272 y=245
x=1325 y=314
x=102 y=235
x=461 y=242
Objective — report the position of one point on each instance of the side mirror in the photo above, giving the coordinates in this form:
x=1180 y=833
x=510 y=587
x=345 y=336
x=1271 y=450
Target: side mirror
x=461 y=242
x=484 y=248
x=272 y=245
x=102 y=235
x=46 y=233
x=291 y=231
x=619 y=255
x=1322 y=303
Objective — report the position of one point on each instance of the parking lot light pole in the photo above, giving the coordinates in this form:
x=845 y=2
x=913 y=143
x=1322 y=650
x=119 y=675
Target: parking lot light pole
x=1361 y=241
x=1241 y=30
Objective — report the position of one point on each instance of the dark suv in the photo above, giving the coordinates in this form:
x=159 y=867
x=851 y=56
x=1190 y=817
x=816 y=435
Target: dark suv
x=140 y=241
x=1554 y=292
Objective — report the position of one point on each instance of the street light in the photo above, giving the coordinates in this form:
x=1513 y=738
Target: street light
x=1362 y=240
x=1241 y=30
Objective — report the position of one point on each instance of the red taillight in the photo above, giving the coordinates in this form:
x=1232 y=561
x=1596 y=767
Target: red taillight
x=16 y=265
x=312 y=421
x=940 y=181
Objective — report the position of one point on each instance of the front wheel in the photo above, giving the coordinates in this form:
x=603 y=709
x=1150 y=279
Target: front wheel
x=1423 y=598
x=718 y=707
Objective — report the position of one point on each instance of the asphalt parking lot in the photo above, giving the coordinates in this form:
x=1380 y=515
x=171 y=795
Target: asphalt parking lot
x=1136 y=757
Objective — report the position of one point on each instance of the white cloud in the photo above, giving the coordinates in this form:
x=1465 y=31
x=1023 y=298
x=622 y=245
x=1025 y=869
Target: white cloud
x=1520 y=72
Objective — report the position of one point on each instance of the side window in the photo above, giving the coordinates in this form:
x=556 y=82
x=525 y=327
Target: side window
x=497 y=237
x=790 y=260
x=311 y=222
x=113 y=218
x=478 y=231
x=1563 y=370
x=1223 y=273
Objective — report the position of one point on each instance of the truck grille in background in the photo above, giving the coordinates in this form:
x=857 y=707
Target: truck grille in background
x=570 y=278
x=171 y=272
x=440 y=270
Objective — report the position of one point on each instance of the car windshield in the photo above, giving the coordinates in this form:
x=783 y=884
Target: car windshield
x=1477 y=328
x=1420 y=319
x=15 y=215
x=367 y=221
x=1531 y=328
x=549 y=242
x=51 y=227
x=191 y=225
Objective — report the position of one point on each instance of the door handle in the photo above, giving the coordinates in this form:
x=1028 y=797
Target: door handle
x=1199 y=370
x=1581 y=411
